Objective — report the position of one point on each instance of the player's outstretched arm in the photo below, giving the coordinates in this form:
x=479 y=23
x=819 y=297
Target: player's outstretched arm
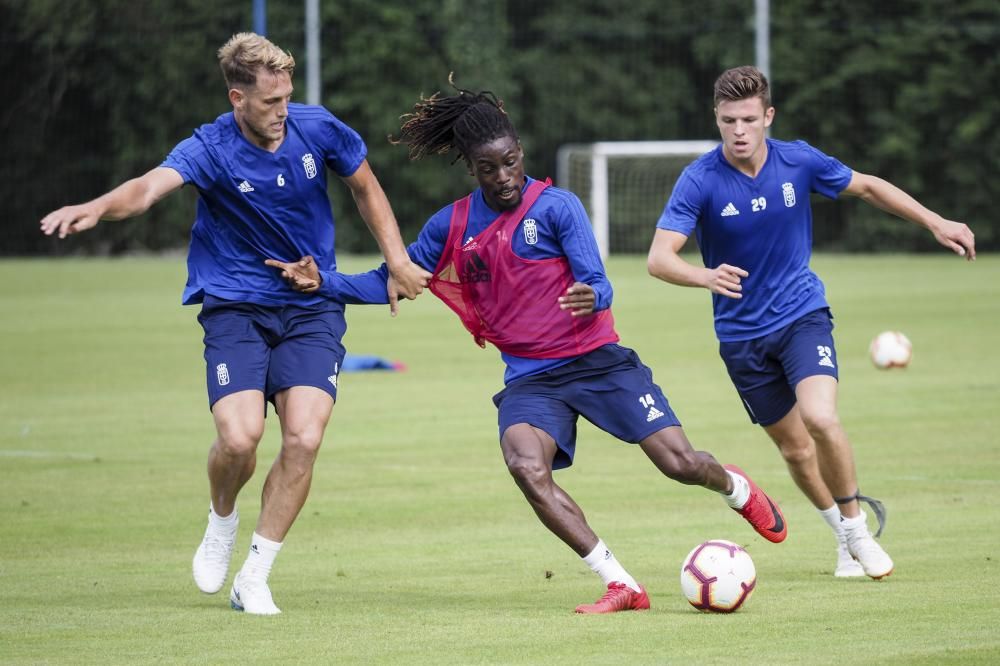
x=302 y=275
x=882 y=194
x=131 y=198
x=664 y=262
x=377 y=213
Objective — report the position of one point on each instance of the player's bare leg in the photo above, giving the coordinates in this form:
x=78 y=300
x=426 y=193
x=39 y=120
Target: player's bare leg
x=799 y=453
x=529 y=452
x=304 y=412
x=798 y=450
x=239 y=424
x=672 y=453
x=817 y=405
x=816 y=398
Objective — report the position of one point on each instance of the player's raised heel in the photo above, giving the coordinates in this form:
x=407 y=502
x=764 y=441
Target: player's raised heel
x=762 y=513
x=619 y=597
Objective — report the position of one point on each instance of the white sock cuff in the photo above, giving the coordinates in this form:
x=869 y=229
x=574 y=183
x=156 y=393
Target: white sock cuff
x=598 y=554
x=833 y=518
x=856 y=521
x=265 y=544
x=223 y=522
x=740 y=495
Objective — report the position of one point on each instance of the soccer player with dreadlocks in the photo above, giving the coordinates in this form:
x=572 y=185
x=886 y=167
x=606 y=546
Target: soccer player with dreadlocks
x=517 y=262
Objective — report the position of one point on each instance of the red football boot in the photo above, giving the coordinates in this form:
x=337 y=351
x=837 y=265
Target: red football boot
x=763 y=514
x=619 y=597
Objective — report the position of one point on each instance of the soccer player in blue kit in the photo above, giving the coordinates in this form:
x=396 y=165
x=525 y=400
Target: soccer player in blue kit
x=748 y=203
x=518 y=262
x=260 y=171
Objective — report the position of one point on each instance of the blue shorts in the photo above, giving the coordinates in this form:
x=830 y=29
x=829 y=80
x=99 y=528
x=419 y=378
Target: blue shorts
x=610 y=387
x=270 y=349
x=766 y=370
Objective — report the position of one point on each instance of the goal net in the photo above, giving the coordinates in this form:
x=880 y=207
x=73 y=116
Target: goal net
x=624 y=185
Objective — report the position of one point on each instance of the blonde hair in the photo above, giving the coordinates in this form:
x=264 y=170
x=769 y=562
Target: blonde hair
x=741 y=83
x=245 y=53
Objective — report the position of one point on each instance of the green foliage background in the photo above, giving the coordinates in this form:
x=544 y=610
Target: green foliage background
x=101 y=90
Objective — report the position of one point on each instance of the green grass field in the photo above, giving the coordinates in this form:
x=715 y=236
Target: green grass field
x=416 y=547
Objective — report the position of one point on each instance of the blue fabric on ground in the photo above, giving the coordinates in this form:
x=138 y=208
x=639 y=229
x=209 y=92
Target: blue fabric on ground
x=361 y=363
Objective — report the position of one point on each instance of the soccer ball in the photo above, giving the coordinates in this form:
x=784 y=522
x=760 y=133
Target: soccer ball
x=718 y=576
x=890 y=349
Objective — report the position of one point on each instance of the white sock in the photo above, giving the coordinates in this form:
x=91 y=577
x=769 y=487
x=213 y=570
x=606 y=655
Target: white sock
x=854 y=523
x=741 y=492
x=225 y=524
x=834 y=520
x=260 y=558
x=603 y=562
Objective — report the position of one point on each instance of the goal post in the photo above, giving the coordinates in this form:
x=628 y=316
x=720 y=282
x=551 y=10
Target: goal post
x=624 y=185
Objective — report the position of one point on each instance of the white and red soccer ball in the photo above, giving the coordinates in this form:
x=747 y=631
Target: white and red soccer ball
x=718 y=576
x=890 y=349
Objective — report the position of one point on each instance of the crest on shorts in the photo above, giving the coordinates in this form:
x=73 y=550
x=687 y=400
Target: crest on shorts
x=222 y=374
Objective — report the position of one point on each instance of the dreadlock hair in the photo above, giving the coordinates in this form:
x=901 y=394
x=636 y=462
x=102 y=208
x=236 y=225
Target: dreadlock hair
x=461 y=122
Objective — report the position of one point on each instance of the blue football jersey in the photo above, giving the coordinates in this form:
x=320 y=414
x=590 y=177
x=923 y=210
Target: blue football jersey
x=762 y=225
x=256 y=205
x=555 y=226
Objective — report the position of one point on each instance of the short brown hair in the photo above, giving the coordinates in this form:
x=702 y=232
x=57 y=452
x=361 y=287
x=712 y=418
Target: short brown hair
x=741 y=83
x=245 y=53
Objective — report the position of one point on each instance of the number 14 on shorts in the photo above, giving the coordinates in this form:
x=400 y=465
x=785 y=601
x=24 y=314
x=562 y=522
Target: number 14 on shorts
x=647 y=402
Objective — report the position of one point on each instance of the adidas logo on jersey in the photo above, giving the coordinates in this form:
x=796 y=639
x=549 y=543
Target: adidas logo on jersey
x=729 y=210
x=654 y=414
x=245 y=186
x=826 y=362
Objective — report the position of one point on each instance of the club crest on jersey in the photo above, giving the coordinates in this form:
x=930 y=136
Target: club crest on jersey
x=530 y=231
x=309 y=164
x=789 y=193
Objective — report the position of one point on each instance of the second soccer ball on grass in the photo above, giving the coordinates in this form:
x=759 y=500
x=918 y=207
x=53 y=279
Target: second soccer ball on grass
x=890 y=349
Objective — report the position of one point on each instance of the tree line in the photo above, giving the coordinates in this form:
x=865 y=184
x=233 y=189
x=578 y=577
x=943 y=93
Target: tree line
x=101 y=90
